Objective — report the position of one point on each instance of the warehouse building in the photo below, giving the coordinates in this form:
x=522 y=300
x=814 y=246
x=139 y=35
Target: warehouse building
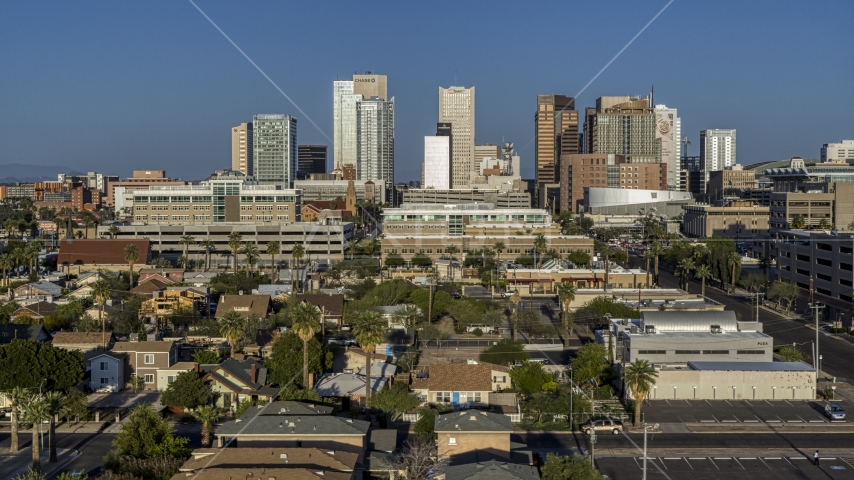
x=736 y=381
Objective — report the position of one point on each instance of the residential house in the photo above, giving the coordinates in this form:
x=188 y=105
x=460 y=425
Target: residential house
x=396 y=341
x=90 y=344
x=380 y=369
x=291 y=425
x=165 y=376
x=98 y=252
x=149 y=287
x=108 y=371
x=353 y=359
x=389 y=314
x=332 y=305
x=85 y=279
x=349 y=388
x=290 y=473
x=262 y=346
x=41 y=290
x=34 y=312
x=245 y=305
x=82 y=292
x=468 y=383
x=288 y=460
x=470 y=433
x=146 y=358
x=157 y=276
x=276 y=292
x=491 y=470
x=237 y=381
x=110 y=305
x=30 y=333
x=199 y=279
x=170 y=274
x=172 y=300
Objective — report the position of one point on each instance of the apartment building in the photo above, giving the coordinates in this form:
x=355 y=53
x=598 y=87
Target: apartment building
x=736 y=219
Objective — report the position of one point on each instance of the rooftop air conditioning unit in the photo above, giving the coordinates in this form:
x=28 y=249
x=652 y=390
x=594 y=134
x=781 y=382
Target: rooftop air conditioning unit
x=716 y=329
x=635 y=329
x=649 y=328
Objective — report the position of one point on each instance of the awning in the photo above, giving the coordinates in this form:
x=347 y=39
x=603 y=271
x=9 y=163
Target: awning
x=530 y=280
x=581 y=279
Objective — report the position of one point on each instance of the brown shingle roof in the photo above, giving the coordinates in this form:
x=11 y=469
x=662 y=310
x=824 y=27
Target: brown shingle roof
x=460 y=377
x=295 y=473
x=79 y=338
x=33 y=309
x=246 y=305
x=100 y=251
x=149 y=286
x=146 y=347
x=333 y=304
x=313 y=458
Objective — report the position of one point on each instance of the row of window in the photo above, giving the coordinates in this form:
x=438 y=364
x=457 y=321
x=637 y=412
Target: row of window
x=701 y=352
x=464 y=397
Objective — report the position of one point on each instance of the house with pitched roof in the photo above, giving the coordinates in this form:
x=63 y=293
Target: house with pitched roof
x=146 y=358
x=472 y=432
x=108 y=372
x=170 y=275
x=33 y=312
x=349 y=388
x=332 y=305
x=149 y=287
x=289 y=460
x=491 y=470
x=235 y=381
x=468 y=383
x=245 y=305
x=42 y=290
x=100 y=252
x=89 y=343
x=30 y=333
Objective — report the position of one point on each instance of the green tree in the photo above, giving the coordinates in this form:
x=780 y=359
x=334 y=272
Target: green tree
x=297 y=254
x=590 y=363
x=407 y=315
x=54 y=403
x=15 y=396
x=250 y=250
x=208 y=246
x=734 y=262
x=188 y=391
x=703 y=272
x=232 y=326
x=207 y=415
x=273 y=248
x=573 y=467
x=306 y=324
x=499 y=248
x=530 y=377
x=145 y=435
x=790 y=353
x=131 y=256
x=101 y=293
x=798 y=222
x=235 y=240
x=409 y=359
x=369 y=329
x=541 y=245
x=683 y=269
x=639 y=377
x=566 y=295
x=451 y=250
x=35 y=412
x=186 y=241
x=579 y=257
x=34 y=364
x=286 y=359
x=395 y=401
x=505 y=352
x=206 y=357
x=425 y=426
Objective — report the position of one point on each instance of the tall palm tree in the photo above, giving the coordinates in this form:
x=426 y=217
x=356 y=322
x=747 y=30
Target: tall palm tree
x=541 y=245
x=655 y=248
x=207 y=415
x=114 y=230
x=207 y=245
x=131 y=256
x=35 y=412
x=351 y=247
x=647 y=255
x=566 y=295
x=606 y=252
x=640 y=378
x=684 y=268
x=273 y=248
x=232 y=326
x=369 y=329
x=16 y=397
x=734 y=260
x=6 y=264
x=235 y=240
x=765 y=265
x=55 y=402
x=101 y=292
x=306 y=323
x=250 y=250
x=703 y=272
x=499 y=248
x=186 y=241
x=516 y=299
x=297 y=254
x=451 y=250
x=183 y=261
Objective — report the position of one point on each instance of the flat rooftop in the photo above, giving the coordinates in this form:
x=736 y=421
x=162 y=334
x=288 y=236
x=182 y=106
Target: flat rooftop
x=700 y=335
x=752 y=366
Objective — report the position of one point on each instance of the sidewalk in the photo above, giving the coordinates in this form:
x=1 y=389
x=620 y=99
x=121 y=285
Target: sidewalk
x=21 y=462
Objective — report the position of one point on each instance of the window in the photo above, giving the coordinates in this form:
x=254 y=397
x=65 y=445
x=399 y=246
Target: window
x=104 y=380
x=452 y=440
x=149 y=378
x=687 y=352
x=473 y=397
x=652 y=352
x=751 y=352
x=715 y=352
x=104 y=366
x=444 y=397
x=149 y=358
x=170 y=379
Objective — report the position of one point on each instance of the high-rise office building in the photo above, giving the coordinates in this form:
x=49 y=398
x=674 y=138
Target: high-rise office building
x=370 y=85
x=556 y=134
x=347 y=95
x=668 y=132
x=486 y=151
x=456 y=106
x=274 y=149
x=241 y=149
x=841 y=152
x=717 y=150
x=375 y=134
x=623 y=126
x=437 y=163
x=339 y=89
x=311 y=158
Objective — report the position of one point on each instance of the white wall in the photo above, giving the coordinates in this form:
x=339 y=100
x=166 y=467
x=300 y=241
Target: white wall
x=773 y=385
x=114 y=374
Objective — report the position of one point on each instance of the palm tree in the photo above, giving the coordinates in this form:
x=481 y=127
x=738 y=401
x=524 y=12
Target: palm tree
x=55 y=402
x=101 y=292
x=16 y=397
x=351 y=247
x=114 y=230
x=703 y=272
x=36 y=412
x=369 y=329
x=10 y=226
x=207 y=245
x=131 y=256
x=655 y=248
x=541 y=245
x=639 y=377
x=235 y=240
x=306 y=323
x=186 y=241
x=232 y=326
x=499 y=248
x=273 y=249
x=765 y=265
x=566 y=295
x=183 y=261
x=250 y=250
x=516 y=299
x=606 y=252
x=6 y=264
x=683 y=269
x=451 y=250
x=297 y=253
x=647 y=255
x=207 y=415
x=734 y=260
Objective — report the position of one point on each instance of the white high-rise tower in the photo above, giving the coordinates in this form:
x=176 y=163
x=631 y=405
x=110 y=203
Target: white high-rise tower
x=456 y=106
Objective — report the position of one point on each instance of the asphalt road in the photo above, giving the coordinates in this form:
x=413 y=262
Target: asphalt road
x=806 y=442
x=835 y=353
x=744 y=467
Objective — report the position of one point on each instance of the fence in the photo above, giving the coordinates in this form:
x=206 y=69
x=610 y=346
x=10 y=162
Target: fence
x=414 y=417
x=508 y=399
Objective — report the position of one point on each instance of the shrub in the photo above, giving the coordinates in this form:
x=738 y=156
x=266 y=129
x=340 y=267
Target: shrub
x=477 y=332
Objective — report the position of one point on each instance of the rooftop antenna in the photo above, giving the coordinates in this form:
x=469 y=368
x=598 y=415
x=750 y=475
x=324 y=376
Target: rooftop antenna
x=652 y=96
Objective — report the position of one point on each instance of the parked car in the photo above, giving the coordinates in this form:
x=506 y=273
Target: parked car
x=603 y=425
x=507 y=294
x=834 y=412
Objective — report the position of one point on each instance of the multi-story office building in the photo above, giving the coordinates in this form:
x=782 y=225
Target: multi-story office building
x=717 y=150
x=823 y=209
x=241 y=149
x=370 y=85
x=140 y=180
x=437 y=162
x=737 y=219
x=274 y=149
x=456 y=106
x=624 y=126
x=428 y=229
x=730 y=182
x=556 y=134
x=335 y=189
x=226 y=197
x=92 y=180
x=311 y=159
x=841 y=152
x=343 y=124
x=375 y=134
x=499 y=198
x=488 y=150
x=584 y=170
x=668 y=132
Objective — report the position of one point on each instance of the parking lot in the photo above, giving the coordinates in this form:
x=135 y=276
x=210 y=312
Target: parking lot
x=731 y=468
x=740 y=411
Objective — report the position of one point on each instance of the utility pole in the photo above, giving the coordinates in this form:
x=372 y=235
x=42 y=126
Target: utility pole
x=645 y=428
x=816 y=307
x=758 y=298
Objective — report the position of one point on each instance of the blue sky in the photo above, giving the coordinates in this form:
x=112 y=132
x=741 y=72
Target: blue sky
x=117 y=86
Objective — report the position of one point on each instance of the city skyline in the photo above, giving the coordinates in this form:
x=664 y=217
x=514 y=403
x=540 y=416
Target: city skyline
x=141 y=91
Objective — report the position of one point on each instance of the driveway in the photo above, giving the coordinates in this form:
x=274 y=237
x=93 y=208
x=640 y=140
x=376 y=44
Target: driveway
x=124 y=399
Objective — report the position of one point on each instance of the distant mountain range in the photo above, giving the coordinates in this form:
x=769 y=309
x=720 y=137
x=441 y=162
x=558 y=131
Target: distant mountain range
x=17 y=172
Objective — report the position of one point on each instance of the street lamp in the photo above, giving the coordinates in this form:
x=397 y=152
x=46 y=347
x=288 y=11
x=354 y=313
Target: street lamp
x=645 y=428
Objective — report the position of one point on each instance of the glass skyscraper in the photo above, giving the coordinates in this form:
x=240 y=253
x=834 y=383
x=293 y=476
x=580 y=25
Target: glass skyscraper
x=274 y=152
